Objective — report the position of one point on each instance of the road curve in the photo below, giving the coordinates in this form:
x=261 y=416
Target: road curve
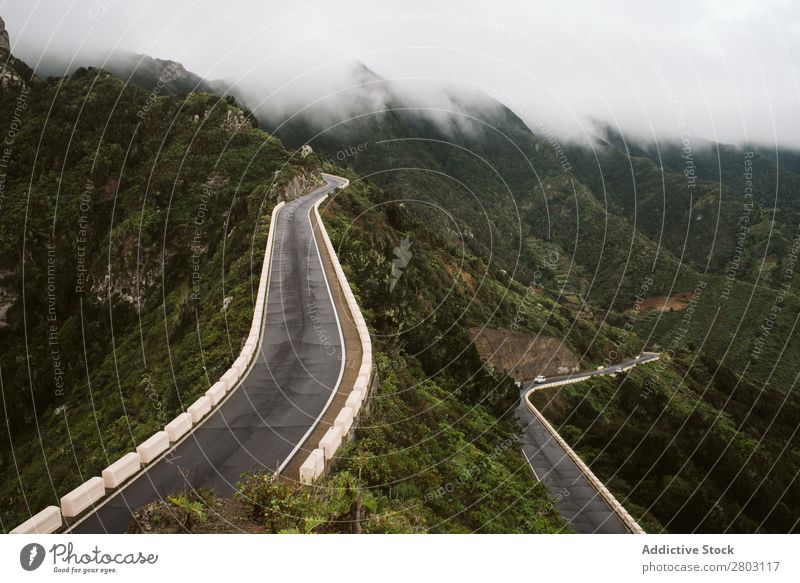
x=578 y=500
x=266 y=418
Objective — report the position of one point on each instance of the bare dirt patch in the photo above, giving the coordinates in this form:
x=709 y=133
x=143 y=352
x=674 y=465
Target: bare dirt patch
x=674 y=303
x=523 y=356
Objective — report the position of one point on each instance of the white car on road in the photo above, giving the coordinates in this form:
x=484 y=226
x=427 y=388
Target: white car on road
x=540 y=379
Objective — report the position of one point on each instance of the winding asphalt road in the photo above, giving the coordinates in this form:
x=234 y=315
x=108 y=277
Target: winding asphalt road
x=267 y=416
x=578 y=501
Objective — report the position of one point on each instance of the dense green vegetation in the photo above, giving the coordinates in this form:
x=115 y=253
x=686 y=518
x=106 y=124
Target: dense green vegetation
x=688 y=445
x=131 y=238
x=263 y=504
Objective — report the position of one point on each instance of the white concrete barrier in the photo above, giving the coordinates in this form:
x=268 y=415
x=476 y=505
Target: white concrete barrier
x=45 y=522
x=82 y=497
x=344 y=420
x=331 y=441
x=179 y=427
x=241 y=363
x=365 y=369
x=308 y=470
x=199 y=409
x=313 y=467
x=362 y=383
x=149 y=450
x=320 y=459
x=354 y=400
x=231 y=376
x=217 y=392
x=121 y=470
x=247 y=353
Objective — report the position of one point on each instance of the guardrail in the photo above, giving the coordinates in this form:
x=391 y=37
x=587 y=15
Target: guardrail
x=601 y=489
x=314 y=465
x=116 y=475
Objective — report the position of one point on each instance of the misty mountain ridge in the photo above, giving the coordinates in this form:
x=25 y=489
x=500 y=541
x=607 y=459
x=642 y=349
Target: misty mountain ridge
x=161 y=76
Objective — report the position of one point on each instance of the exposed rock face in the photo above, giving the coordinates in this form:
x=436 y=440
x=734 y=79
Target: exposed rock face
x=298 y=186
x=9 y=77
x=9 y=70
x=5 y=44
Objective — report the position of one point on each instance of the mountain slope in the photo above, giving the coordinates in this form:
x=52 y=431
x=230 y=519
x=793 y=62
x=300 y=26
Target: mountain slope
x=131 y=236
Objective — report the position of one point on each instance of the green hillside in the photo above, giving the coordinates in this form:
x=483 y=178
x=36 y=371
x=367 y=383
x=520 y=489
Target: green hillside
x=131 y=237
x=687 y=446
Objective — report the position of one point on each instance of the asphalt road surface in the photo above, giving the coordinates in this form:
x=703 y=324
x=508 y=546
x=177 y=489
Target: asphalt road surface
x=268 y=415
x=577 y=500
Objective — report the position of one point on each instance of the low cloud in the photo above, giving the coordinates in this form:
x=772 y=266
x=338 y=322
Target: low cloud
x=726 y=71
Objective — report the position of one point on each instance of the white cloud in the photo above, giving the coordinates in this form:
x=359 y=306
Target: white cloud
x=731 y=66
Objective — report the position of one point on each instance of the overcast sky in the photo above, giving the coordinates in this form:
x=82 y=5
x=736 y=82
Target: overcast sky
x=727 y=68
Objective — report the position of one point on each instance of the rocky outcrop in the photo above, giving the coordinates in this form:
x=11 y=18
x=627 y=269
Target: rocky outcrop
x=5 y=43
x=160 y=76
x=13 y=72
x=299 y=185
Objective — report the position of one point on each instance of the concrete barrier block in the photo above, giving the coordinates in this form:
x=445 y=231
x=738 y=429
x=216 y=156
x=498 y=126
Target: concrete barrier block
x=366 y=342
x=362 y=383
x=241 y=363
x=320 y=460
x=157 y=444
x=121 y=470
x=331 y=441
x=179 y=427
x=231 y=376
x=217 y=392
x=45 y=522
x=308 y=471
x=344 y=420
x=354 y=400
x=313 y=467
x=199 y=408
x=82 y=497
x=247 y=353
